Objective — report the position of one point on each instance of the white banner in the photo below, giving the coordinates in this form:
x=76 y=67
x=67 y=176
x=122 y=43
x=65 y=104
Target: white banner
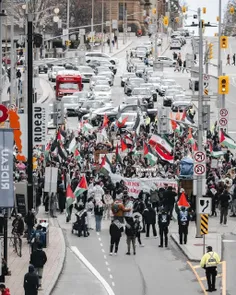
x=40 y=123
x=135 y=185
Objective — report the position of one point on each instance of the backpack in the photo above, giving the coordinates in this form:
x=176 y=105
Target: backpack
x=115 y=208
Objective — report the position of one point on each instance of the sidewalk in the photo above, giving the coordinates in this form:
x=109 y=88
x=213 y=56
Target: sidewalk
x=55 y=254
x=194 y=247
x=45 y=92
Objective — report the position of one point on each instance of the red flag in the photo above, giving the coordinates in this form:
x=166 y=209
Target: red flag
x=123 y=145
x=174 y=125
x=69 y=192
x=177 y=117
x=184 y=115
x=195 y=147
x=183 y=201
x=145 y=149
x=122 y=123
x=105 y=121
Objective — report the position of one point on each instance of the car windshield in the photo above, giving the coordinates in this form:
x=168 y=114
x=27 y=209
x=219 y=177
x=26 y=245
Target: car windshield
x=96 y=78
x=171 y=92
x=101 y=88
x=69 y=86
x=102 y=82
x=102 y=69
x=85 y=69
x=58 y=69
x=92 y=104
x=141 y=91
x=154 y=80
x=81 y=94
x=168 y=83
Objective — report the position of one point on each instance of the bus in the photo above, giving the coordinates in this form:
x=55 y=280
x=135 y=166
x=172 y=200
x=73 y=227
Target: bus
x=68 y=82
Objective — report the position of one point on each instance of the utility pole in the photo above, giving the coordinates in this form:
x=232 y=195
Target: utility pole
x=200 y=120
x=92 y=29
x=102 y=25
x=156 y=47
x=12 y=94
x=220 y=99
x=25 y=86
x=110 y=30
x=124 y=22
x=1 y=86
x=30 y=110
x=68 y=21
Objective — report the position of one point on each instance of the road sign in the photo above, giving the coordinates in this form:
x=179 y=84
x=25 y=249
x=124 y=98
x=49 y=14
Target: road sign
x=206 y=77
x=204 y=224
x=223 y=122
x=199 y=157
x=199 y=169
x=206 y=91
x=204 y=205
x=223 y=113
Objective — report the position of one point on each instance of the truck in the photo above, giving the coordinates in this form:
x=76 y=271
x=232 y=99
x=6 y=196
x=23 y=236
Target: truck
x=68 y=82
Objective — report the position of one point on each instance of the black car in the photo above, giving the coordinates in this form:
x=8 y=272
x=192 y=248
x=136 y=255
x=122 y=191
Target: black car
x=43 y=69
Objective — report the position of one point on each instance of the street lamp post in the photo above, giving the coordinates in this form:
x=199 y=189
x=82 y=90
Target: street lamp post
x=124 y=28
x=102 y=25
x=68 y=20
x=92 y=29
x=110 y=30
x=156 y=35
x=12 y=88
x=220 y=97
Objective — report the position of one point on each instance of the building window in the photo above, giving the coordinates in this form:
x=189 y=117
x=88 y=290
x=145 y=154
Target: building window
x=121 y=5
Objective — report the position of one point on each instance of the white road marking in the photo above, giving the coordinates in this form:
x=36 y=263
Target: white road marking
x=101 y=244
x=109 y=269
x=229 y=241
x=111 y=276
x=105 y=257
x=93 y=270
x=98 y=233
x=113 y=284
x=106 y=263
x=99 y=239
x=103 y=250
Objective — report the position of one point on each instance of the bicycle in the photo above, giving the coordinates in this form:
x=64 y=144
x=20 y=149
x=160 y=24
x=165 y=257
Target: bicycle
x=17 y=244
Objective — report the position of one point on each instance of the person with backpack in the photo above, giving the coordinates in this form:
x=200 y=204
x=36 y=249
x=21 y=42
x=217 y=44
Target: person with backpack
x=38 y=259
x=30 y=220
x=116 y=230
x=131 y=237
x=163 y=222
x=37 y=237
x=183 y=221
x=98 y=212
x=118 y=209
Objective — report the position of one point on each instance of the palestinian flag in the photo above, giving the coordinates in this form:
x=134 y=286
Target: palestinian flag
x=137 y=124
x=217 y=154
x=118 y=157
x=77 y=155
x=184 y=115
x=149 y=155
x=162 y=142
x=60 y=137
x=227 y=141
x=105 y=121
x=175 y=126
x=194 y=146
x=72 y=145
x=105 y=167
x=178 y=116
x=121 y=123
x=183 y=201
x=70 y=198
x=62 y=152
x=190 y=136
x=128 y=140
x=81 y=187
x=87 y=128
x=123 y=145
x=163 y=154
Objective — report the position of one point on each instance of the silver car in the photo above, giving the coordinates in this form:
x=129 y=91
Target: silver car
x=131 y=84
x=167 y=61
x=124 y=78
x=165 y=84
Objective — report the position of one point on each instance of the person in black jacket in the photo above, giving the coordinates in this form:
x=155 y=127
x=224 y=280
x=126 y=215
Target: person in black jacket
x=169 y=200
x=224 y=205
x=183 y=221
x=30 y=221
x=38 y=259
x=149 y=216
x=131 y=237
x=116 y=229
x=31 y=282
x=163 y=222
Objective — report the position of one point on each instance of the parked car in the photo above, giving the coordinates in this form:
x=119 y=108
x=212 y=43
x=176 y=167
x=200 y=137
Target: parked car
x=175 y=44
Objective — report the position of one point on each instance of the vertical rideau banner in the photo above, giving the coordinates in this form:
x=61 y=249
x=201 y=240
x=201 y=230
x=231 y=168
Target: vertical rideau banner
x=6 y=168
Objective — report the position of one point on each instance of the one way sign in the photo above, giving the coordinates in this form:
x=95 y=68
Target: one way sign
x=204 y=205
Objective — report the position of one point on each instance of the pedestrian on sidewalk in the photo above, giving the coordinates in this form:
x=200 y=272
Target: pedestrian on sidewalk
x=5 y=271
x=138 y=228
x=116 y=228
x=224 y=205
x=4 y=290
x=31 y=282
x=228 y=60
x=163 y=222
x=98 y=212
x=149 y=216
x=30 y=221
x=234 y=56
x=130 y=234
x=209 y=262
x=184 y=67
x=38 y=259
x=183 y=221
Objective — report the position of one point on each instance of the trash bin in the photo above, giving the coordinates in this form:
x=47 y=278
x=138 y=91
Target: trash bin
x=45 y=226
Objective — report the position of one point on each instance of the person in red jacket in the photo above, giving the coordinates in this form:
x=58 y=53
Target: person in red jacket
x=4 y=290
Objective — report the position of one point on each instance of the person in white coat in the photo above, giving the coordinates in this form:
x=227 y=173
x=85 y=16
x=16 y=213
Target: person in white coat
x=90 y=211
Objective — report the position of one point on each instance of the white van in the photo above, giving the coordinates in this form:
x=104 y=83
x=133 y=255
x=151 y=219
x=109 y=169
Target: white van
x=175 y=44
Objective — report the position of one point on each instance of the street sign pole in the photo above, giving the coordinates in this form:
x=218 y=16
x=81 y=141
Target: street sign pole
x=200 y=121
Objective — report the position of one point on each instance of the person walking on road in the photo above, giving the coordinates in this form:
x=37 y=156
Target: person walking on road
x=183 y=221
x=116 y=229
x=169 y=200
x=228 y=60
x=138 y=228
x=163 y=222
x=98 y=212
x=209 y=262
x=234 y=56
x=31 y=282
x=149 y=216
x=38 y=259
x=224 y=206
x=130 y=233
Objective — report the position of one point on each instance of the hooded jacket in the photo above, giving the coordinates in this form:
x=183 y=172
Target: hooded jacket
x=6 y=292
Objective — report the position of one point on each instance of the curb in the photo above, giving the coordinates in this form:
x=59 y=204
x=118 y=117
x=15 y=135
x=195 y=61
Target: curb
x=120 y=50
x=182 y=250
x=61 y=265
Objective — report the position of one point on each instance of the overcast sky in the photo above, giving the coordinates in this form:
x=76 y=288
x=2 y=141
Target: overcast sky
x=212 y=8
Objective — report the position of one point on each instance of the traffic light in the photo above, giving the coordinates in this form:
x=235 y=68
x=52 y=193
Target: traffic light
x=183 y=9
x=166 y=21
x=154 y=11
x=223 y=42
x=210 y=51
x=204 y=10
x=177 y=20
x=223 y=85
x=231 y=10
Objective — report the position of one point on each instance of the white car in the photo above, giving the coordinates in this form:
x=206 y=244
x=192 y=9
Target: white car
x=93 y=54
x=94 y=80
x=167 y=61
x=101 y=91
x=52 y=74
x=86 y=72
x=175 y=44
x=131 y=119
x=165 y=84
